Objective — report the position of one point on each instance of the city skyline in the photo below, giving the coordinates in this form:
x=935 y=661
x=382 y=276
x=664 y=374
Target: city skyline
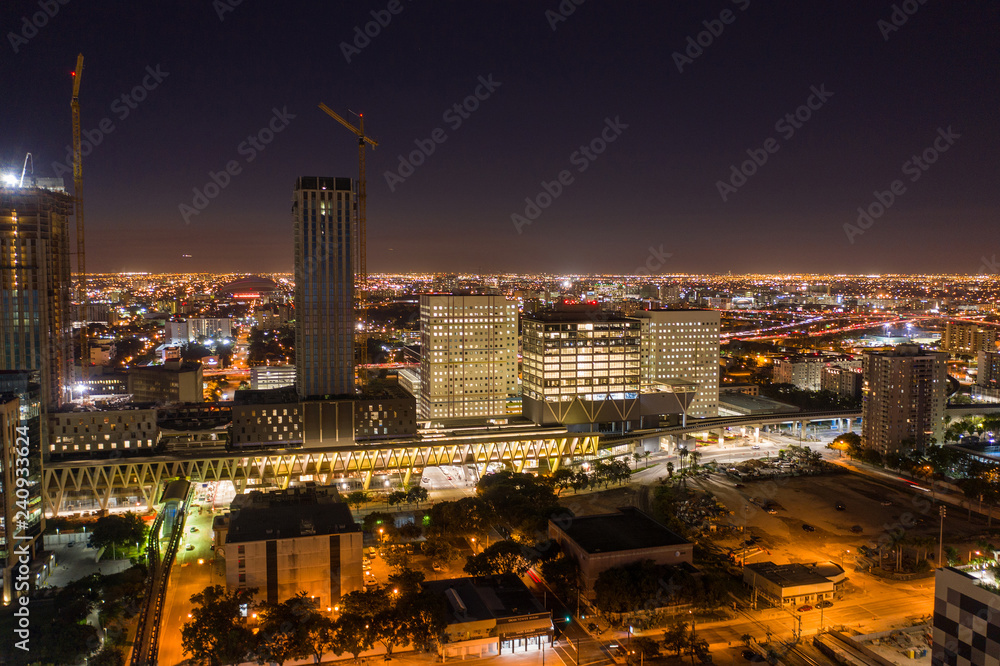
x=668 y=119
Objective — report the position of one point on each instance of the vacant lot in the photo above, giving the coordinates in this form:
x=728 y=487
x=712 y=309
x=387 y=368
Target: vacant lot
x=812 y=502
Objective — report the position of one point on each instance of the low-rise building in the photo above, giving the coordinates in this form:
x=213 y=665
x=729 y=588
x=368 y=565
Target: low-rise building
x=170 y=382
x=794 y=584
x=303 y=539
x=488 y=615
x=75 y=432
x=609 y=540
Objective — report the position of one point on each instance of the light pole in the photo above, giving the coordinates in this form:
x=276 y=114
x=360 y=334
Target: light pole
x=941 y=537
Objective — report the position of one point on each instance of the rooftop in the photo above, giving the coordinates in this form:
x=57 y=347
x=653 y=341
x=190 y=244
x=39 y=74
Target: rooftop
x=289 y=514
x=794 y=575
x=628 y=529
x=485 y=598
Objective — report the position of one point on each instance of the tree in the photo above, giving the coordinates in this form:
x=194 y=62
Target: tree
x=379 y=520
x=562 y=573
x=397 y=497
x=670 y=470
x=615 y=588
x=397 y=557
x=439 y=550
x=119 y=530
x=675 y=637
x=499 y=558
x=109 y=655
x=357 y=498
x=354 y=634
x=636 y=456
x=562 y=479
x=747 y=639
x=284 y=630
x=416 y=495
x=218 y=633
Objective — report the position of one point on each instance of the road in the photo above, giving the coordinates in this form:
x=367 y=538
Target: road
x=188 y=577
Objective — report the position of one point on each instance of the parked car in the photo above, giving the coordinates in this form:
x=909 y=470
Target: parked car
x=804 y=609
x=826 y=603
x=752 y=656
x=808 y=528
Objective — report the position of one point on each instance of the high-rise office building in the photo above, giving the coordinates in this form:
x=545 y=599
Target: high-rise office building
x=683 y=345
x=35 y=285
x=468 y=366
x=324 y=211
x=903 y=398
x=576 y=364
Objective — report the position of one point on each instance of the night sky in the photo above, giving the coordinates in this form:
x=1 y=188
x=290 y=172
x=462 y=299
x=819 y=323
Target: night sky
x=607 y=67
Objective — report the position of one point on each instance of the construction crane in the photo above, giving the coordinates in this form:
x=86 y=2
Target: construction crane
x=361 y=271
x=81 y=255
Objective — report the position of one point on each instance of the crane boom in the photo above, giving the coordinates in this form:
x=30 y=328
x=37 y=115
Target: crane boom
x=361 y=270
x=81 y=256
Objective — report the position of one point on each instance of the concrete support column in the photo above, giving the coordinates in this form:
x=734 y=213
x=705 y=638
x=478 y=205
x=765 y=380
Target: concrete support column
x=756 y=434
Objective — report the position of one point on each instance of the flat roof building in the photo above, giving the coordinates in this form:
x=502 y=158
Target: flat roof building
x=683 y=345
x=603 y=541
x=903 y=398
x=303 y=539
x=490 y=614
x=324 y=213
x=468 y=364
x=794 y=584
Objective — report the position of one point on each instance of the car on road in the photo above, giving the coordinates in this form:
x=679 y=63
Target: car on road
x=750 y=655
x=886 y=502
x=190 y=547
x=857 y=529
x=739 y=485
x=194 y=529
x=804 y=609
x=808 y=528
x=755 y=447
x=70 y=544
x=826 y=603
x=840 y=506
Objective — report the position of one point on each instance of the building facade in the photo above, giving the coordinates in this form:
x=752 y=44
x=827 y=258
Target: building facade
x=576 y=359
x=966 y=620
x=805 y=373
x=196 y=328
x=35 y=315
x=296 y=540
x=600 y=542
x=324 y=213
x=167 y=383
x=21 y=517
x=968 y=338
x=842 y=379
x=263 y=377
x=84 y=433
x=684 y=345
x=468 y=365
x=903 y=398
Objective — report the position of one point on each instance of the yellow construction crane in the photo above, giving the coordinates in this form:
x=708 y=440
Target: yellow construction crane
x=81 y=256
x=361 y=271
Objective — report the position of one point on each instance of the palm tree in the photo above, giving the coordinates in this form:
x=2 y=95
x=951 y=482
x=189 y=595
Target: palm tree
x=695 y=456
x=670 y=469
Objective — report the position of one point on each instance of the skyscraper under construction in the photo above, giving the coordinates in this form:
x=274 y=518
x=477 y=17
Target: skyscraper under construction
x=35 y=284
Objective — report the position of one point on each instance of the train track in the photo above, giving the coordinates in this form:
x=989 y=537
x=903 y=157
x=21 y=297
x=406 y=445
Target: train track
x=147 y=637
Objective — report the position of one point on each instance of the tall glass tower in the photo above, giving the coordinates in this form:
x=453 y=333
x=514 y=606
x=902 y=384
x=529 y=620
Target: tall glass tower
x=325 y=215
x=35 y=285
